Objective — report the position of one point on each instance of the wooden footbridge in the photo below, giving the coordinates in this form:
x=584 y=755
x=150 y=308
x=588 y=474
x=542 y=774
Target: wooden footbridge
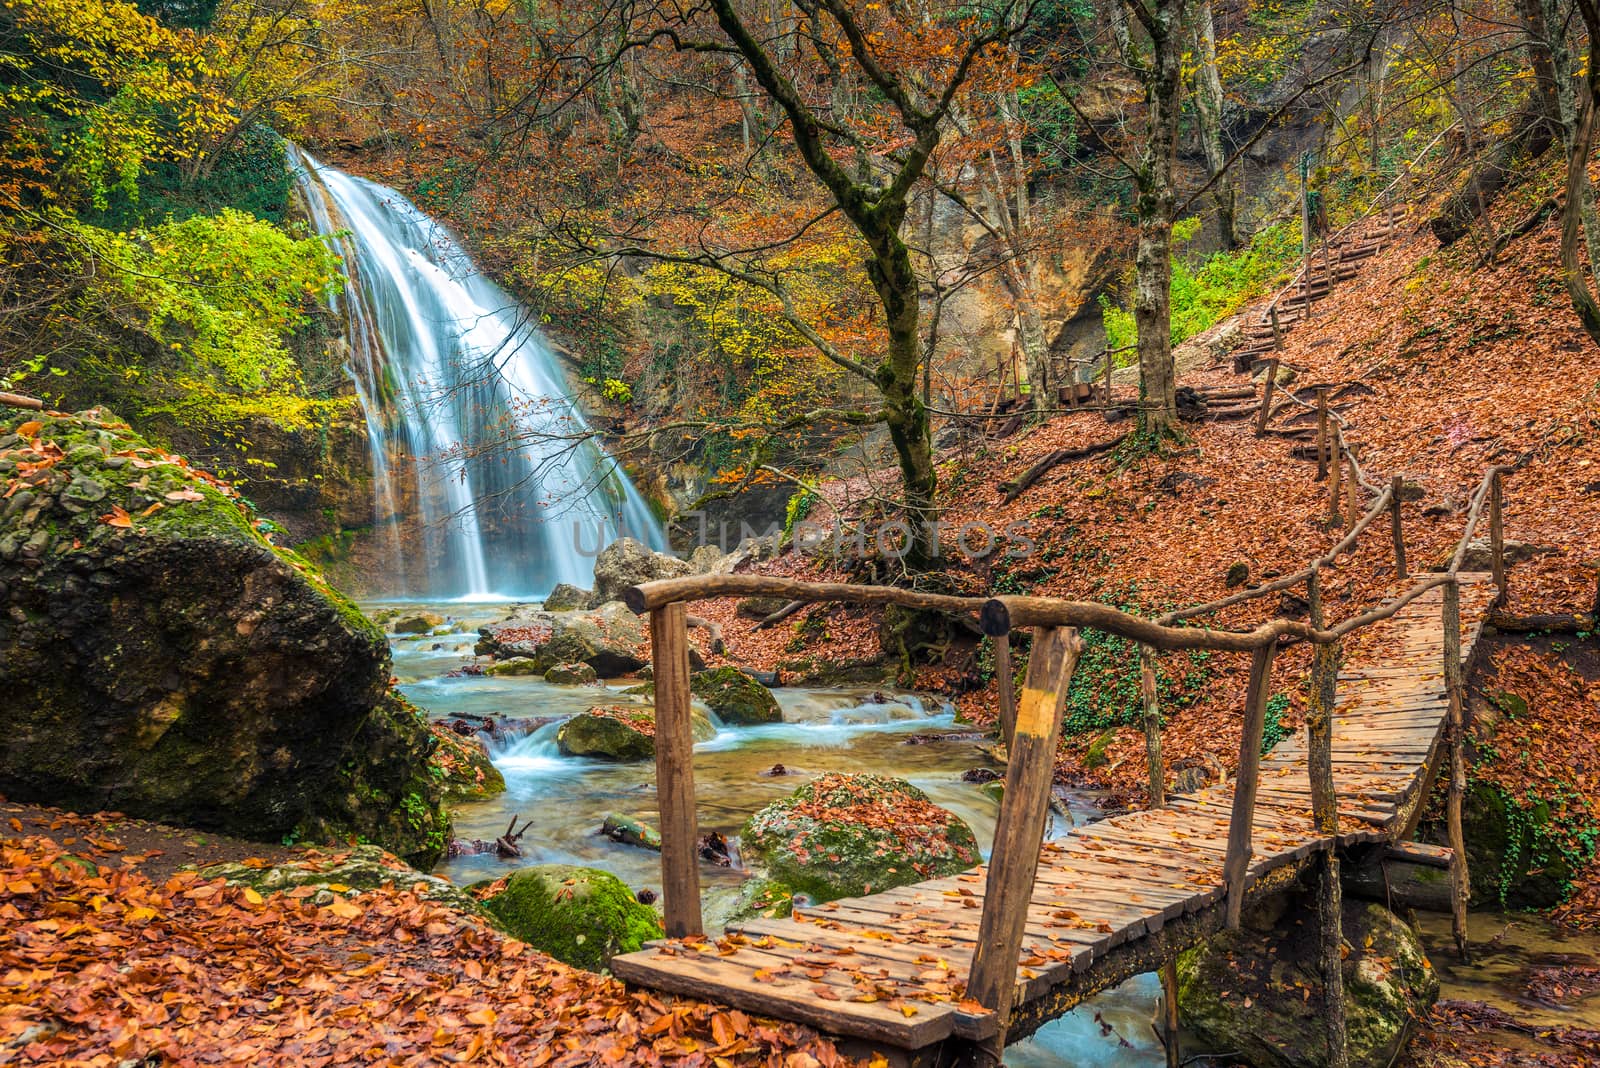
x=947 y=970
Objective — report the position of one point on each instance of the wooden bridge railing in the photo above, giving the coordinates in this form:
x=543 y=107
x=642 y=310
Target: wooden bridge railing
x=1032 y=725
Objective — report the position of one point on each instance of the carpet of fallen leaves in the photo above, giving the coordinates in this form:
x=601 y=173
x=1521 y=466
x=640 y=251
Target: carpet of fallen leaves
x=100 y=965
x=1471 y=1034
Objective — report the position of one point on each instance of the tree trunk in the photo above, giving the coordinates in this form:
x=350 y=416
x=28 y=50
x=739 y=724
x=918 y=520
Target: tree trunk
x=1578 y=288
x=1533 y=130
x=1546 y=26
x=895 y=281
x=1152 y=302
x=1208 y=106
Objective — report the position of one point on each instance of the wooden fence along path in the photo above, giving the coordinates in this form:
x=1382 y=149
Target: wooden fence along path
x=958 y=965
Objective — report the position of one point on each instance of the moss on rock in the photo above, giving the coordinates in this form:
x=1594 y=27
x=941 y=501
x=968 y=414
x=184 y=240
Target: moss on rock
x=581 y=916
x=619 y=733
x=1258 y=991
x=463 y=767
x=844 y=835
x=517 y=665
x=160 y=656
x=364 y=867
x=735 y=697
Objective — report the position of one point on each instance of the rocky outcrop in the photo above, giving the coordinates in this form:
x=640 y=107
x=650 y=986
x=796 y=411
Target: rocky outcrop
x=735 y=697
x=462 y=765
x=846 y=835
x=628 y=562
x=571 y=675
x=159 y=656
x=578 y=915
x=567 y=598
x=1257 y=992
x=609 y=639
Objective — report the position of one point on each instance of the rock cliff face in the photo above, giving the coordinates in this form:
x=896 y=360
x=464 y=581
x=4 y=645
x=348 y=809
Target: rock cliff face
x=159 y=656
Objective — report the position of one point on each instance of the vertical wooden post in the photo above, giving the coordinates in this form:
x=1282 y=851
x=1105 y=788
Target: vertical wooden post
x=1169 y=994
x=1335 y=479
x=1110 y=356
x=1395 y=485
x=1322 y=433
x=1006 y=675
x=1352 y=500
x=1325 y=814
x=1014 y=861
x=1497 y=536
x=1277 y=328
x=1237 y=864
x=1266 y=395
x=1458 y=769
x=1152 y=727
x=680 y=833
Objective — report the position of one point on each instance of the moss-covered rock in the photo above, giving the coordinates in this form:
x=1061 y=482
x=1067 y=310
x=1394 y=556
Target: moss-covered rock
x=571 y=675
x=844 y=835
x=762 y=899
x=578 y=915
x=364 y=867
x=159 y=656
x=620 y=733
x=463 y=766
x=735 y=697
x=1247 y=991
x=516 y=665
x=423 y=623
x=1515 y=853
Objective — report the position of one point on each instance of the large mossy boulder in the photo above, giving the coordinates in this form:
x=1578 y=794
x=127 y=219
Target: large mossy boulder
x=735 y=697
x=628 y=562
x=1257 y=993
x=845 y=835
x=362 y=868
x=159 y=656
x=619 y=733
x=578 y=915
x=1515 y=849
x=609 y=639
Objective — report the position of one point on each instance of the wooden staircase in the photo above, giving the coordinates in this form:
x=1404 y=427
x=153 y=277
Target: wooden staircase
x=1337 y=260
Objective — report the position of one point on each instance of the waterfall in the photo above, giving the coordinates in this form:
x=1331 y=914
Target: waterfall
x=465 y=408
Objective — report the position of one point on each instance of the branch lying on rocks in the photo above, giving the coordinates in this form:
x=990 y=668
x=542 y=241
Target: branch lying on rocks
x=780 y=615
x=713 y=630
x=1018 y=486
x=17 y=400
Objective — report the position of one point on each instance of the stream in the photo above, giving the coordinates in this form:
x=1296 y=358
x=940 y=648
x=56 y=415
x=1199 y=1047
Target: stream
x=567 y=798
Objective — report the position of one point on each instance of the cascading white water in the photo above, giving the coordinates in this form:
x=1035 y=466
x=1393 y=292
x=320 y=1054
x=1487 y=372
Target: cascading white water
x=513 y=493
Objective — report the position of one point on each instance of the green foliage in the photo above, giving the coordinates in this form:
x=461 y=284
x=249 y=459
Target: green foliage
x=91 y=93
x=1121 y=330
x=188 y=322
x=1204 y=294
x=1051 y=126
x=252 y=175
x=1273 y=730
x=796 y=510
